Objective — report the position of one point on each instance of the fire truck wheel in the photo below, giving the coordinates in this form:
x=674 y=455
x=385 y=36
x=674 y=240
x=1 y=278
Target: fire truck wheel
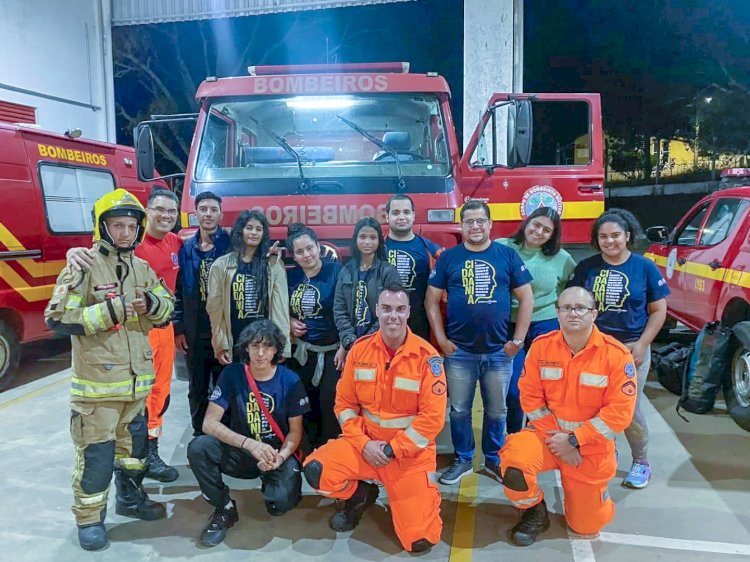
x=737 y=388
x=10 y=354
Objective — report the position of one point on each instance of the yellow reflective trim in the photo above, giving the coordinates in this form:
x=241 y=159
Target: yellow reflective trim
x=90 y=500
x=87 y=321
x=571 y=210
x=568 y=425
x=538 y=413
x=73 y=302
x=402 y=383
x=364 y=374
x=593 y=379
x=100 y=317
x=729 y=276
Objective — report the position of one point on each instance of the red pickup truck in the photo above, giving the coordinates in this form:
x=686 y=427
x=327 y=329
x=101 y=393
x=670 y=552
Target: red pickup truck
x=706 y=262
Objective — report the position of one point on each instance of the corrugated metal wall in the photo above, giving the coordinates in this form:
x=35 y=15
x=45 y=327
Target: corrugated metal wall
x=17 y=113
x=135 y=12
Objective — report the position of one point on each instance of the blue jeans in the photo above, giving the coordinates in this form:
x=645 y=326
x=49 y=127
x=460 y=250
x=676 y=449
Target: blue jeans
x=463 y=370
x=513 y=400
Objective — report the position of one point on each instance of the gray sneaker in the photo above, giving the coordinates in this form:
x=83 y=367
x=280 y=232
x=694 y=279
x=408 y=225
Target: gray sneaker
x=456 y=471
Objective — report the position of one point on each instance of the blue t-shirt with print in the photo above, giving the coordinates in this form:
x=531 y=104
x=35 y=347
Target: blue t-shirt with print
x=284 y=395
x=412 y=261
x=311 y=300
x=623 y=293
x=479 y=286
x=245 y=306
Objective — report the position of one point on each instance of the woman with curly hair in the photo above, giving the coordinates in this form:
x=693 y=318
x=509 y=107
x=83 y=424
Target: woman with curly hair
x=246 y=285
x=631 y=296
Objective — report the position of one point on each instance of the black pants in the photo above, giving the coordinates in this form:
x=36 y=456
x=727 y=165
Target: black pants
x=204 y=370
x=209 y=458
x=321 y=424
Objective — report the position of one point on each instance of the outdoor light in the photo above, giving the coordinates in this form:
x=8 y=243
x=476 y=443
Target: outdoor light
x=328 y=102
x=73 y=133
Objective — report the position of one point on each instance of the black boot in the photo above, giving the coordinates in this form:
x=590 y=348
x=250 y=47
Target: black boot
x=422 y=545
x=93 y=537
x=221 y=520
x=534 y=520
x=348 y=515
x=157 y=468
x=132 y=501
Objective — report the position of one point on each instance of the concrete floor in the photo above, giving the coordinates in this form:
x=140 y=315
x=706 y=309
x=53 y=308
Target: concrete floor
x=696 y=508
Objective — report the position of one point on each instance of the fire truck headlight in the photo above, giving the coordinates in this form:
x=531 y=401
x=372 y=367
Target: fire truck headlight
x=440 y=215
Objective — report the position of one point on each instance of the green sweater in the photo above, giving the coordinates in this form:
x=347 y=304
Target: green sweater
x=550 y=274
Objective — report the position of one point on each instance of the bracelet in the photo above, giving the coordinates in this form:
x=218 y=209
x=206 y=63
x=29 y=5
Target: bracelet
x=242 y=445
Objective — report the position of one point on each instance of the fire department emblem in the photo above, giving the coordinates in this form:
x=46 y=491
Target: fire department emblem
x=671 y=261
x=628 y=389
x=629 y=370
x=540 y=196
x=436 y=365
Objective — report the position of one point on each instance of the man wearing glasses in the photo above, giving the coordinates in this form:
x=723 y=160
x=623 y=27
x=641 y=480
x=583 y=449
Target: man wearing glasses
x=160 y=247
x=578 y=389
x=479 y=277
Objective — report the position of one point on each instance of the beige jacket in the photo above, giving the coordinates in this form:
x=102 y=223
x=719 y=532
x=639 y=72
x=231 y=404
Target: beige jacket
x=111 y=355
x=219 y=307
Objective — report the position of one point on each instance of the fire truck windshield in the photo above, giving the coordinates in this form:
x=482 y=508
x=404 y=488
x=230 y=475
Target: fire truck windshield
x=244 y=146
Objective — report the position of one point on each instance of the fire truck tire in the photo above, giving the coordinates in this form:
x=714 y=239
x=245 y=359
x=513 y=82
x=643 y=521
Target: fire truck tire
x=10 y=354
x=737 y=388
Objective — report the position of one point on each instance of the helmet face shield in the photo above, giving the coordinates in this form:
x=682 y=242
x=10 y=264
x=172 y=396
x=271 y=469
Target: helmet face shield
x=118 y=203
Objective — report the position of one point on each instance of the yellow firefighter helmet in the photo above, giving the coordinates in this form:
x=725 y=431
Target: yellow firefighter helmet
x=118 y=203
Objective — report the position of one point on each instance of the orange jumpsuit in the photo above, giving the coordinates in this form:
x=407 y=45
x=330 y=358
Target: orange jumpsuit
x=591 y=394
x=161 y=255
x=401 y=401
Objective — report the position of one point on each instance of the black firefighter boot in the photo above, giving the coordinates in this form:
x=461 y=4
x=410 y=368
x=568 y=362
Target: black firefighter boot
x=348 y=515
x=156 y=467
x=534 y=520
x=132 y=501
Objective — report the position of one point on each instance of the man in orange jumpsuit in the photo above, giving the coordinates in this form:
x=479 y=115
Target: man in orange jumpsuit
x=391 y=405
x=578 y=390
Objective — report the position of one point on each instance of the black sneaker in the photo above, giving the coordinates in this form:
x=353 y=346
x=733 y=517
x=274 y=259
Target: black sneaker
x=534 y=520
x=221 y=520
x=456 y=471
x=492 y=470
x=422 y=545
x=350 y=511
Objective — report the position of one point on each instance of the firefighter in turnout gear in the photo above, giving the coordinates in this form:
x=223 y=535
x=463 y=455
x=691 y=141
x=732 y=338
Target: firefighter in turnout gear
x=108 y=312
x=390 y=402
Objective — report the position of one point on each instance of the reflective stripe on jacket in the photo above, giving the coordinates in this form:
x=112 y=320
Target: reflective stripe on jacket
x=111 y=357
x=591 y=393
x=400 y=400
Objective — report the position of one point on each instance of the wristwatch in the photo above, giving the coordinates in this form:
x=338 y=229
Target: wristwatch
x=518 y=343
x=348 y=341
x=573 y=440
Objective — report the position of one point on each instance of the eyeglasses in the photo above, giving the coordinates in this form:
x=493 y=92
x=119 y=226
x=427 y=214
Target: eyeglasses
x=472 y=222
x=577 y=310
x=163 y=211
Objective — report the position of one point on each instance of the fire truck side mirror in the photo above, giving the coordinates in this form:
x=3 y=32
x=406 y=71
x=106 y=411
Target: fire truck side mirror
x=520 y=134
x=144 y=152
x=657 y=234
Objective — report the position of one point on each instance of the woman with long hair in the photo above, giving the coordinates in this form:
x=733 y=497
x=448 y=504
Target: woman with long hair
x=246 y=285
x=359 y=285
x=537 y=241
x=315 y=339
x=631 y=296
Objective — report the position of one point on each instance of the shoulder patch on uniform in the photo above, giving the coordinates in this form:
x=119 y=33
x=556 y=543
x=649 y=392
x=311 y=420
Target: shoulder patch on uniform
x=436 y=365
x=216 y=394
x=439 y=388
x=628 y=389
x=60 y=290
x=629 y=370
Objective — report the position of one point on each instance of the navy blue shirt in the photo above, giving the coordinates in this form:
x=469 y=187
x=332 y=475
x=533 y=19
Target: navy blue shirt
x=311 y=301
x=479 y=286
x=284 y=396
x=623 y=293
x=412 y=261
x=245 y=305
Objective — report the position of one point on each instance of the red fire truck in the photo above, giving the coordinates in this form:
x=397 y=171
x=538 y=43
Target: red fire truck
x=328 y=144
x=49 y=184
